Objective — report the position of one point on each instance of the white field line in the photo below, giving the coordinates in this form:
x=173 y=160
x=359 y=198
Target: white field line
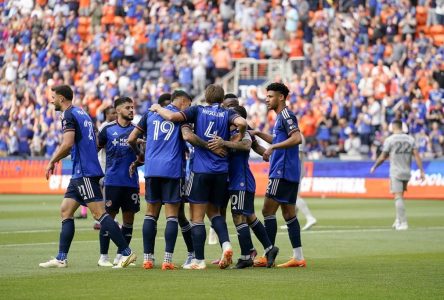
x=282 y=232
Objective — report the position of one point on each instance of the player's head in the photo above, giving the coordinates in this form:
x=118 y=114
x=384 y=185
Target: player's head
x=164 y=99
x=214 y=94
x=241 y=111
x=110 y=114
x=125 y=108
x=61 y=96
x=230 y=100
x=276 y=93
x=396 y=126
x=181 y=99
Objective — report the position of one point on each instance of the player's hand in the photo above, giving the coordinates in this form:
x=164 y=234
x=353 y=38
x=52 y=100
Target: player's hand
x=215 y=142
x=222 y=152
x=155 y=107
x=422 y=176
x=50 y=169
x=267 y=154
x=372 y=170
x=132 y=168
x=252 y=132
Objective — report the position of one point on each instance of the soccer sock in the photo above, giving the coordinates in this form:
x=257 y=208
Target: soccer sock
x=199 y=234
x=271 y=227
x=261 y=234
x=127 y=232
x=170 y=235
x=104 y=241
x=400 y=210
x=245 y=243
x=186 y=233
x=294 y=232
x=66 y=236
x=84 y=211
x=115 y=234
x=303 y=207
x=149 y=231
x=297 y=253
x=168 y=257
x=220 y=226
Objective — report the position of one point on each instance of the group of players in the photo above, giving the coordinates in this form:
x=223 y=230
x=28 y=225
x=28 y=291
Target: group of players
x=217 y=141
x=218 y=174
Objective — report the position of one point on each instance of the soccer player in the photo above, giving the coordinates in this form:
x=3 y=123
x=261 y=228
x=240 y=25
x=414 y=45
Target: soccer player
x=121 y=190
x=79 y=140
x=242 y=187
x=399 y=147
x=300 y=202
x=164 y=171
x=284 y=174
x=207 y=187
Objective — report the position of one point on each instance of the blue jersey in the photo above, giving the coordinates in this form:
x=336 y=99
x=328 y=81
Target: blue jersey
x=284 y=163
x=209 y=121
x=239 y=173
x=84 y=151
x=119 y=155
x=165 y=148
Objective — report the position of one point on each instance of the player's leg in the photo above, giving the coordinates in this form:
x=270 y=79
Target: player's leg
x=185 y=227
x=112 y=206
x=302 y=206
x=67 y=209
x=397 y=188
x=217 y=199
x=153 y=199
x=97 y=207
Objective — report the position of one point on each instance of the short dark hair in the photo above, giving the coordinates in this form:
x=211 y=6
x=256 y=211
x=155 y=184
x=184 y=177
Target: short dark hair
x=397 y=123
x=279 y=87
x=63 y=90
x=241 y=111
x=107 y=110
x=180 y=93
x=164 y=97
x=122 y=100
x=214 y=94
x=230 y=96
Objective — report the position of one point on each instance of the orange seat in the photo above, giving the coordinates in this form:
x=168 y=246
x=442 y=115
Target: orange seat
x=438 y=40
x=436 y=29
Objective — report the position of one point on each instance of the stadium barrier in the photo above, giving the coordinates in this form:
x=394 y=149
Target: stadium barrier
x=324 y=178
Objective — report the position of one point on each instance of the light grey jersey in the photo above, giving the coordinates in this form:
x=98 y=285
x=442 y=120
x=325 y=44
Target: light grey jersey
x=400 y=147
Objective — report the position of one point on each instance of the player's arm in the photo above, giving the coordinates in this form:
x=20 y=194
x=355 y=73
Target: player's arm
x=190 y=137
x=241 y=125
x=265 y=136
x=257 y=148
x=62 y=151
x=293 y=140
x=133 y=141
x=168 y=114
x=419 y=163
x=242 y=145
x=381 y=158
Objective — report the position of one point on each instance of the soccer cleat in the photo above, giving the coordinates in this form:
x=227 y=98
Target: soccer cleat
x=212 y=237
x=227 y=259
x=293 y=263
x=104 y=263
x=97 y=226
x=271 y=256
x=125 y=261
x=243 y=263
x=402 y=226
x=196 y=265
x=253 y=254
x=54 y=263
x=395 y=224
x=148 y=264
x=168 y=266
x=260 y=262
x=215 y=262
x=187 y=261
x=310 y=223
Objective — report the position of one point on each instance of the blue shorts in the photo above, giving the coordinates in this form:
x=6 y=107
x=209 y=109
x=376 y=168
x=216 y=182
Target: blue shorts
x=121 y=197
x=242 y=202
x=84 y=190
x=282 y=191
x=207 y=188
x=164 y=190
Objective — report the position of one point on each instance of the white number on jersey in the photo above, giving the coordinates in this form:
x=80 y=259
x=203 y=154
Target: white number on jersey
x=165 y=127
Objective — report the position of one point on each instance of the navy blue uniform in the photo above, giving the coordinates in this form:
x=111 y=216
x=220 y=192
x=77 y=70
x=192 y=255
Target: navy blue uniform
x=242 y=185
x=121 y=190
x=285 y=168
x=164 y=157
x=84 y=184
x=209 y=172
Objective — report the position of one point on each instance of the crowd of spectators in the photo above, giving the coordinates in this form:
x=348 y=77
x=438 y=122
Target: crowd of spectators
x=365 y=63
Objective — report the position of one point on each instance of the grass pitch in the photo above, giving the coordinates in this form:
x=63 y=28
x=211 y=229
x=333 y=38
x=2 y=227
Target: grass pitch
x=352 y=254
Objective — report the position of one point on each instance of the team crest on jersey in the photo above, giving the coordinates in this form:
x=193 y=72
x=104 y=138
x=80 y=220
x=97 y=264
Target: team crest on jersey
x=242 y=184
x=108 y=203
x=290 y=121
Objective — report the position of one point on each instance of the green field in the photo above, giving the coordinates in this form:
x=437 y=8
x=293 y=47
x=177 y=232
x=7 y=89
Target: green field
x=352 y=254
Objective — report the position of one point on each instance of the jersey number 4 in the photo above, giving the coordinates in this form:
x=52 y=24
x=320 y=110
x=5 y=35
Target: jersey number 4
x=208 y=132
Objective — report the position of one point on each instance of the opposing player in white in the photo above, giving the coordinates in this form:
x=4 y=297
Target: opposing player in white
x=301 y=205
x=399 y=147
